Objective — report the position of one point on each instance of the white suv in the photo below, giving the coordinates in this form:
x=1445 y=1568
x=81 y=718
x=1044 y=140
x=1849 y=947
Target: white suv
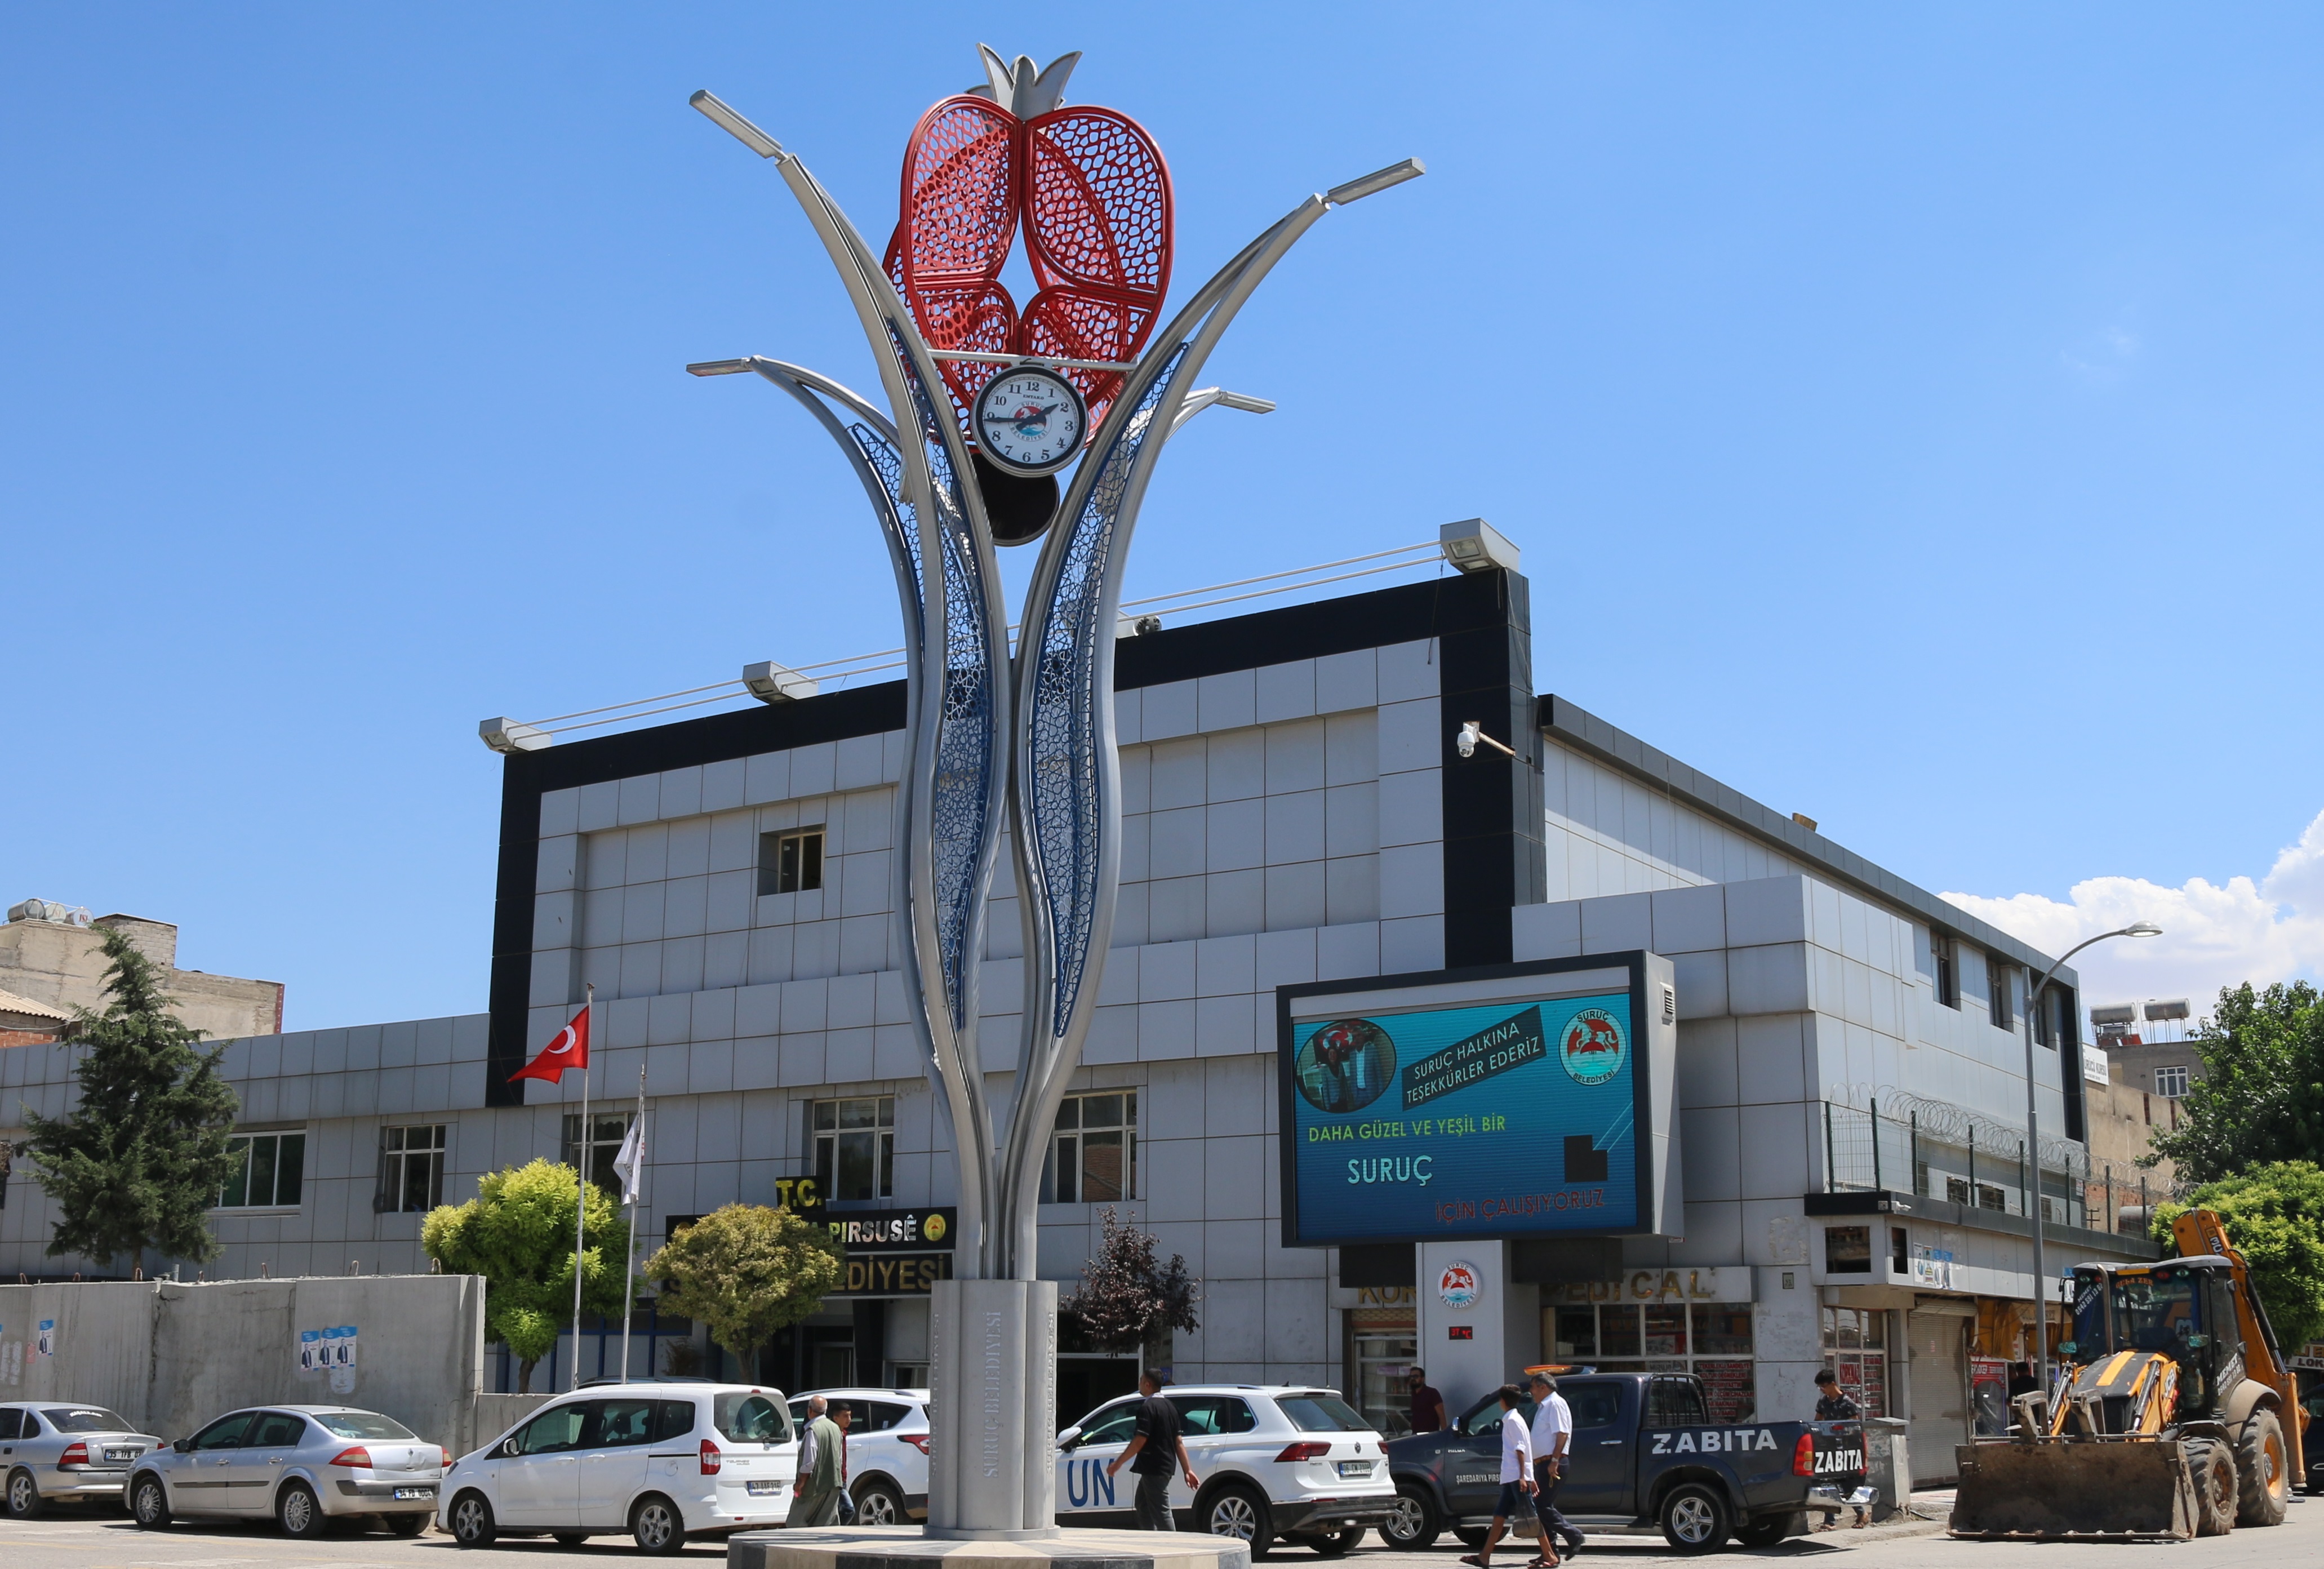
x=887 y=1451
x=1273 y=1461
x=659 y=1460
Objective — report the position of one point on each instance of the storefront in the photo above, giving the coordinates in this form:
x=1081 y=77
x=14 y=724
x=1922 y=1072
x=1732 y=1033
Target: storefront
x=1692 y=1321
x=1383 y=1345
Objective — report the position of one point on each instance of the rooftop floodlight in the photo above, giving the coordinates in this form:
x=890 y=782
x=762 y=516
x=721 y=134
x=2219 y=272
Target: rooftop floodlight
x=734 y=125
x=1476 y=545
x=772 y=683
x=1356 y=189
x=718 y=367
x=508 y=735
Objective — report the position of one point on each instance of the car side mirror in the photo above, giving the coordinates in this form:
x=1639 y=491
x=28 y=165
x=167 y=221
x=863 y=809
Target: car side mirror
x=182 y=1445
x=1069 y=1440
x=506 y=1449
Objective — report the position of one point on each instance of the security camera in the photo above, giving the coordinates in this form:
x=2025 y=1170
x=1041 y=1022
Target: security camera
x=1471 y=733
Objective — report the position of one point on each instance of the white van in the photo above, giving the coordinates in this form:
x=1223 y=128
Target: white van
x=661 y=1460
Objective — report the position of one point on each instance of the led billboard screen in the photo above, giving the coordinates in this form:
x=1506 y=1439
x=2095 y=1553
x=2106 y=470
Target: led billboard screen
x=1528 y=1100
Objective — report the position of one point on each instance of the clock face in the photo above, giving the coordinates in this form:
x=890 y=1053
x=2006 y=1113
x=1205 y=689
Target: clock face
x=1030 y=421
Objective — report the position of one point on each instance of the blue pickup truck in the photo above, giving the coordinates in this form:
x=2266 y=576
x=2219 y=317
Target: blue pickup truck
x=1644 y=1452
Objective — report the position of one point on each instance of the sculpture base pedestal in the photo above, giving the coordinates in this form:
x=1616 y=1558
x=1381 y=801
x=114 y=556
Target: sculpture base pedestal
x=905 y=1547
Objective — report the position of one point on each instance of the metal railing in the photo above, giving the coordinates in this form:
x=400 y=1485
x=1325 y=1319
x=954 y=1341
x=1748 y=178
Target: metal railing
x=1906 y=1143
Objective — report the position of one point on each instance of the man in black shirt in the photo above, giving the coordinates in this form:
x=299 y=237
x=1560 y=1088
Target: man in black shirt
x=1152 y=1450
x=1832 y=1405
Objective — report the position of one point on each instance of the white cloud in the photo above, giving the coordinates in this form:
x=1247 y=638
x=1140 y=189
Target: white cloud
x=2213 y=935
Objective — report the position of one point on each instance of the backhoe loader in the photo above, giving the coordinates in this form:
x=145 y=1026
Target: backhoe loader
x=2173 y=1415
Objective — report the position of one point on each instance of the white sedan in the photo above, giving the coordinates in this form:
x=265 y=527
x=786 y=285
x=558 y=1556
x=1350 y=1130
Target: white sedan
x=1272 y=1461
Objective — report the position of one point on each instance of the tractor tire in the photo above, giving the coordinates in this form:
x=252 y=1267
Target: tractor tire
x=2263 y=1478
x=2213 y=1468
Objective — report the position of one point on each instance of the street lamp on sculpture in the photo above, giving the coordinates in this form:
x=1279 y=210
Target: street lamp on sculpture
x=2034 y=1137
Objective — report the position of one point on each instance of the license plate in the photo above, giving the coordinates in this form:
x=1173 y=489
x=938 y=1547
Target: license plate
x=122 y=1454
x=761 y=1490
x=415 y=1492
x=1355 y=1468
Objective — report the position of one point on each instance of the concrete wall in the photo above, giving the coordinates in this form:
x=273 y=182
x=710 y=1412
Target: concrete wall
x=167 y=1357
x=64 y=966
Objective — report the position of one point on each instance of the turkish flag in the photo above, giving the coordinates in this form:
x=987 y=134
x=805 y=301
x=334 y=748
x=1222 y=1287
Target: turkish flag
x=569 y=1049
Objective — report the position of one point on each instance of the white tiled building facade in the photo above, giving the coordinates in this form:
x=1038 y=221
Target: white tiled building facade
x=1294 y=812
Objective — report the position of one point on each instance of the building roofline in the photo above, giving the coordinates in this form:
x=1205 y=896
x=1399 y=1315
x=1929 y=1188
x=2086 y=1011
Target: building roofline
x=1575 y=726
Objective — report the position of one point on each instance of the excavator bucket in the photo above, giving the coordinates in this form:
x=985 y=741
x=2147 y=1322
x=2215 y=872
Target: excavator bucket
x=2074 y=1489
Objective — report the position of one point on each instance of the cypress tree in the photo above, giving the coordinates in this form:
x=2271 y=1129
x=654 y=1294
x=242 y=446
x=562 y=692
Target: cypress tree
x=140 y=1159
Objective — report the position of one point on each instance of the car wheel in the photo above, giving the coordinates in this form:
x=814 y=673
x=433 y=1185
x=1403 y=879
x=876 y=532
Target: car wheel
x=878 y=1503
x=657 y=1527
x=23 y=1495
x=1694 y=1518
x=470 y=1519
x=1239 y=1511
x=407 y=1525
x=1411 y=1526
x=299 y=1512
x=149 y=1503
x=1339 y=1543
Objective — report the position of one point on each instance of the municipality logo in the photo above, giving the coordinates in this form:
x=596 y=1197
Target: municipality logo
x=1591 y=1046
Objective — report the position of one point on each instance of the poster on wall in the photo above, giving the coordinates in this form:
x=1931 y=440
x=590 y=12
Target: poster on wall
x=1522 y=1101
x=47 y=1342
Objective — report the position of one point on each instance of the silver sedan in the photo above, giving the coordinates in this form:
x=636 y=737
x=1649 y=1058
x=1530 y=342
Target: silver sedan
x=302 y=1464
x=50 y=1449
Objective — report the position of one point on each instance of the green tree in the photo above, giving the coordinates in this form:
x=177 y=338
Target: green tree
x=517 y=1232
x=1129 y=1299
x=2274 y=1216
x=747 y=1271
x=138 y=1161
x=2260 y=1098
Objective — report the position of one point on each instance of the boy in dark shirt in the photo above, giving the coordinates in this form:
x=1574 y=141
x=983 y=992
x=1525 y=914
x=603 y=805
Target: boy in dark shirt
x=1151 y=1450
x=1833 y=1406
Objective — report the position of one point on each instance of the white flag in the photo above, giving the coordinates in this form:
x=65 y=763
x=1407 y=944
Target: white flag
x=630 y=1161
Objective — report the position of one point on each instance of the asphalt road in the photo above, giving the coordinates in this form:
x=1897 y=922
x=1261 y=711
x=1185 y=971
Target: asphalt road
x=69 y=1540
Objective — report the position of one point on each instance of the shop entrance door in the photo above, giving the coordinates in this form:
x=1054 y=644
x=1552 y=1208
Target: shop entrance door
x=1938 y=1369
x=1383 y=1362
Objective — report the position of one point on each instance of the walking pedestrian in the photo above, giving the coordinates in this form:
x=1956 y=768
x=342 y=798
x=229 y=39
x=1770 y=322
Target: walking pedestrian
x=1832 y=1405
x=821 y=1469
x=1428 y=1404
x=1152 y=1450
x=1553 y=1436
x=1517 y=1474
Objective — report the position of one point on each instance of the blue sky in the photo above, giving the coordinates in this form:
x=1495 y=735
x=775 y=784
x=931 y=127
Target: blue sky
x=1909 y=416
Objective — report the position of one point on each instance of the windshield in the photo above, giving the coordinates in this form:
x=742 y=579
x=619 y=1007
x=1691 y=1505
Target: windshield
x=83 y=1419
x=1321 y=1413
x=2155 y=1313
x=752 y=1418
x=360 y=1424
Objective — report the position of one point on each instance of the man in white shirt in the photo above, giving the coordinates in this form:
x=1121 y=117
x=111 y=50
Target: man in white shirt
x=1517 y=1474
x=1552 y=1436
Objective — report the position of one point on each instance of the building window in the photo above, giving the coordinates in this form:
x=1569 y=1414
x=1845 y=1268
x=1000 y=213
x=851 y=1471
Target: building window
x=791 y=861
x=1947 y=959
x=267 y=1171
x=2171 y=1083
x=1855 y=1348
x=855 y=1147
x=1711 y=1340
x=1997 y=992
x=606 y=1132
x=1094 y=1151
x=1847 y=1250
x=410 y=1169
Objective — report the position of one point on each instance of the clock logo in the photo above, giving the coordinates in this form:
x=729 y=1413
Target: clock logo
x=1030 y=421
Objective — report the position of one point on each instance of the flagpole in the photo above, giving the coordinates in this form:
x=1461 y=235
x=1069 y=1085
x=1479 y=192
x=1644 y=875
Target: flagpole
x=629 y=1254
x=581 y=1198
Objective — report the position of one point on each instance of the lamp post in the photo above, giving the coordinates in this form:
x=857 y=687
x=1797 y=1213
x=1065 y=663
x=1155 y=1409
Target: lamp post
x=2034 y=1135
